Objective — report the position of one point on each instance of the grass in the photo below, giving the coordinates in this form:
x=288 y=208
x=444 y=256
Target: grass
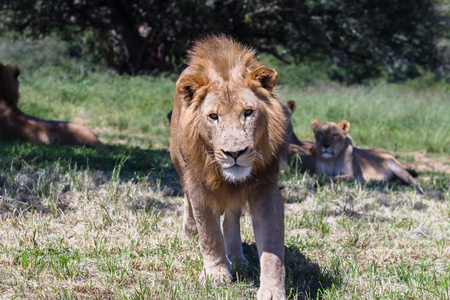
x=385 y=116
x=388 y=116
x=116 y=106
x=79 y=223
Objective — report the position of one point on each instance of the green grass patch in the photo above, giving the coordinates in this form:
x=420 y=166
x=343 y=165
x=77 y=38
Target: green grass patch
x=387 y=116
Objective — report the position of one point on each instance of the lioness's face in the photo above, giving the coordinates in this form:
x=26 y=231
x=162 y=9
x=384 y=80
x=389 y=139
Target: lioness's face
x=233 y=123
x=330 y=137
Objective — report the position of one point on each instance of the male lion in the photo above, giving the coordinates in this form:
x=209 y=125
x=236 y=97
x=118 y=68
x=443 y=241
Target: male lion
x=14 y=124
x=336 y=156
x=304 y=149
x=227 y=137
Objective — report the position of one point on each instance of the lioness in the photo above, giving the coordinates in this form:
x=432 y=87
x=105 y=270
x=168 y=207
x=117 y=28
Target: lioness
x=336 y=156
x=14 y=124
x=227 y=136
x=304 y=149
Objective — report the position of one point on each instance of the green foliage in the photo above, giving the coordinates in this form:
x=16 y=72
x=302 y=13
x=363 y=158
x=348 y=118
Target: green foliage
x=298 y=75
x=47 y=56
x=357 y=40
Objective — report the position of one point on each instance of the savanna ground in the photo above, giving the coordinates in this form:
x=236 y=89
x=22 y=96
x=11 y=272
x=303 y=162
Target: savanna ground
x=78 y=223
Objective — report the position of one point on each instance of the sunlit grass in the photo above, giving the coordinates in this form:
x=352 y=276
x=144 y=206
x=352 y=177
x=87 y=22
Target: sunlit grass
x=385 y=116
x=86 y=232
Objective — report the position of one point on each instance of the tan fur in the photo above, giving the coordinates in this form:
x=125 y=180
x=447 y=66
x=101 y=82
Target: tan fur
x=301 y=153
x=17 y=125
x=227 y=137
x=342 y=159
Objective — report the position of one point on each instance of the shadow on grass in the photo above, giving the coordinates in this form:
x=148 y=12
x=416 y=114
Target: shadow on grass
x=134 y=162
x=304 y=279
x=428 y=182
x=432 y=185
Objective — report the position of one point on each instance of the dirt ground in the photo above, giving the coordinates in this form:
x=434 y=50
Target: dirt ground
x=422 y=163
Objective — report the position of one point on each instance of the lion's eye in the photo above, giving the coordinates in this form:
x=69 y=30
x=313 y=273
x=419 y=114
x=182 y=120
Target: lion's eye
x=248 y=112
x=214 y=116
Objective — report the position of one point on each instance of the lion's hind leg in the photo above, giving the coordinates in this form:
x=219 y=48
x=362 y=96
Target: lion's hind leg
x=401 y=173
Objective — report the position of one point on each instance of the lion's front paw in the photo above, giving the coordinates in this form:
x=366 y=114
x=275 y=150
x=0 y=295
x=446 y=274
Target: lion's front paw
x=216 y=275
x=268 y=294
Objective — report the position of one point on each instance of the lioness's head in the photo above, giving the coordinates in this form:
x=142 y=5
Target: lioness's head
x=9 y=86
x=232 y=117
x=331 y=138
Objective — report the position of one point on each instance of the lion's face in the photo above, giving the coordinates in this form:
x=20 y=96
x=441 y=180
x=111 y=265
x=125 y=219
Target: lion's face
x=232 y=122
x=235 y=125
x=330 y=138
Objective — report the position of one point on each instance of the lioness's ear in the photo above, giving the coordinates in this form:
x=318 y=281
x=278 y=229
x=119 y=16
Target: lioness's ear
x=15 y=70
x=344 y=125
x=187 y=85
x=292 y=105
x=268 y=77
x=315 y=124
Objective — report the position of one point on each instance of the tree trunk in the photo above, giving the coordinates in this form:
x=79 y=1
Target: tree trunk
x=132 y=61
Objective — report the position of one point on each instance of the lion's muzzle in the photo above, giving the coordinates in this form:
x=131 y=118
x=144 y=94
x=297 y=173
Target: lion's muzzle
x=326 y=152
x=236 y=165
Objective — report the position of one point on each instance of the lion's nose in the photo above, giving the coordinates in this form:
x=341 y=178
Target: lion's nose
x=234 y=154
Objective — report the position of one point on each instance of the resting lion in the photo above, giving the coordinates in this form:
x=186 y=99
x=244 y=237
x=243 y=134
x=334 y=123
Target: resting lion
x=15 y=124
x=336 y=156
x=304 y=149
x=226 y=139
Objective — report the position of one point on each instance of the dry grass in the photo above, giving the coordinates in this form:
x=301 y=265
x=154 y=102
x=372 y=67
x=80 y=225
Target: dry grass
x=70 y=232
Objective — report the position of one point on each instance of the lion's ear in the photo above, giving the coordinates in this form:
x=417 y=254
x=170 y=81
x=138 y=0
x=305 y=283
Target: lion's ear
x=344 y=125
x=292 y=105
x=266 y=76
x=15 y=70
x=187 y=85
x=315 y=124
